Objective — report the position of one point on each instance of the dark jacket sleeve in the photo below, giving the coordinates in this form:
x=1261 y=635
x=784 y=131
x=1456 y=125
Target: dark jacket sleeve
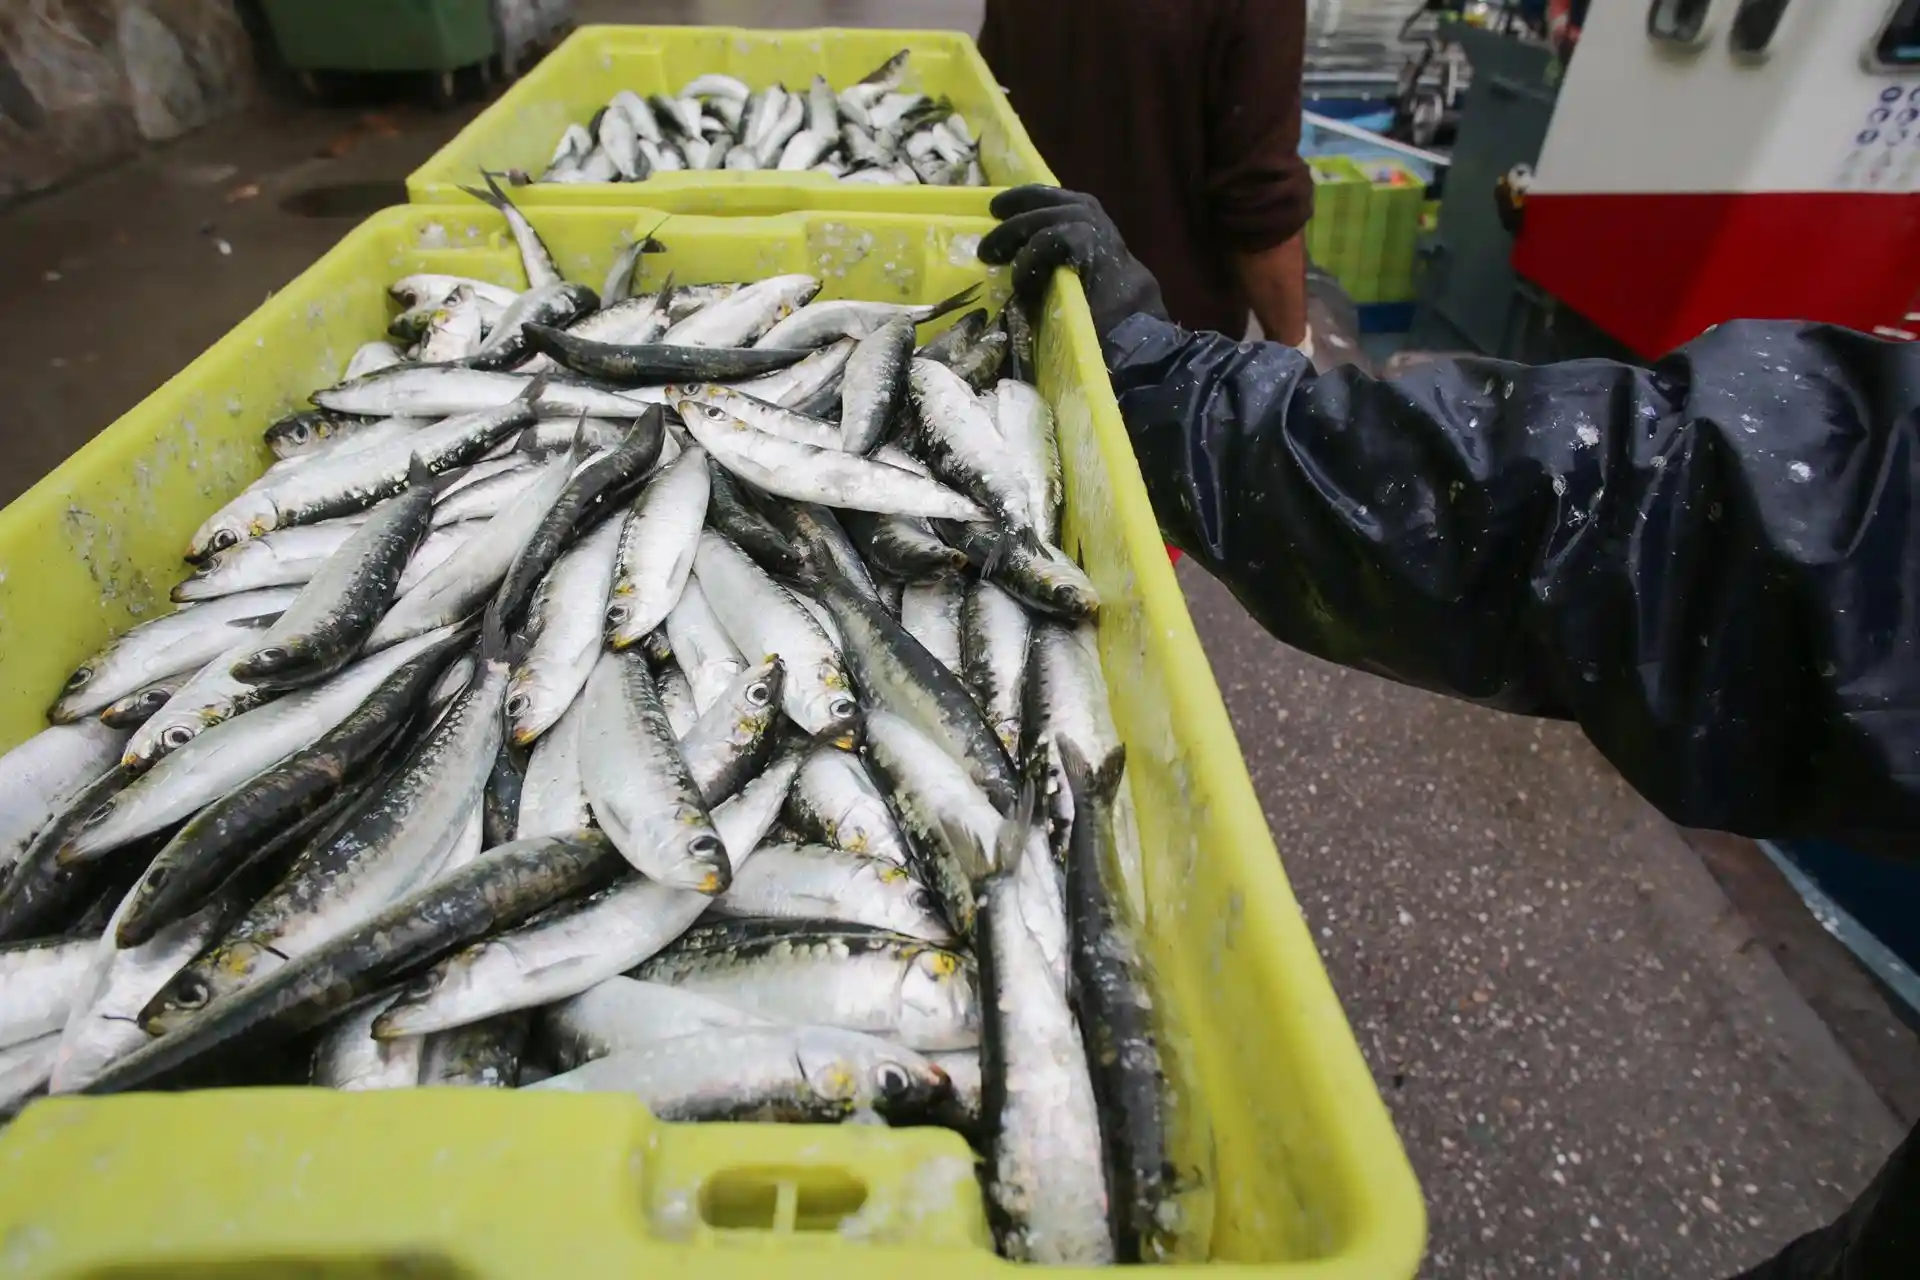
x=1258 y=190
x=1710 y=564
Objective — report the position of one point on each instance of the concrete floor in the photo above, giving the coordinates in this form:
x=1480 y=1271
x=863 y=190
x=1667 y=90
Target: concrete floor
x=1595 y=1061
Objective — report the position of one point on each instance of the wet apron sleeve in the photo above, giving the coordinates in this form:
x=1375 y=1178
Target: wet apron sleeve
x=1710 y=564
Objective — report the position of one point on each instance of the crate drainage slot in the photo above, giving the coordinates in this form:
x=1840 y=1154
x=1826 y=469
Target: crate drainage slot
x=781 y=1198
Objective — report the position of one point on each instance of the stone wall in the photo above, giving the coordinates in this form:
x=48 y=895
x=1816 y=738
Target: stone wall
x=85 y=81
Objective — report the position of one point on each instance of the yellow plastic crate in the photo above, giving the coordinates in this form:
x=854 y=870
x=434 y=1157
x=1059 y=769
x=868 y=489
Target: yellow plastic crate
x=1309 y=1178
x=575 y=80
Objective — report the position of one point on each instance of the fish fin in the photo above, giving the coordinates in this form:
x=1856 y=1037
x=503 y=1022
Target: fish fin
x=492 y=195
x=952 y=302
x=495 y=643
x=665 y=296
x=532 y=392
x=418 y=472
x=1017 y=826
x=577 y=447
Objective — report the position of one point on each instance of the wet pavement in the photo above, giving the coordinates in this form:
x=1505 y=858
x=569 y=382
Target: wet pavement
x=1595 y=1061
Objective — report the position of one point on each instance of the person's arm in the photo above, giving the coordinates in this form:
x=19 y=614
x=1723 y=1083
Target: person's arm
x=1712 y=565
x=1276 y=284
x=1258 y=191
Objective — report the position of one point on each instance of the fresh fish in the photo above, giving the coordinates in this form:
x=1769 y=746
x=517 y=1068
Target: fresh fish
x=1026 y=424
x=40 y=894
x=618 y=288
x=573 y=146
x=950 y=824
x=980 y=364
x=427 y=289
x=349 y=1058
x=656 y=550
x=743 y=315
x=396 y=840
x=788 y=424
x=799 y=882
x=24 y=1070
x=335 y=612
x=762 y=618
x=804 y=149
x=594 y=491
x=43 y=775
x=371 y=357
x=875 y=385
x=963 y=445
x=503 y=887
x=636 y=320
x=901 y=547
x=702 y=648
x=621 y=142
x=570 y=951
x=770 y=145
x=820 y=973
x=825 y=320
x=738 y=519
x=658 y=362
x=284 y=558
x=564 y=627
x=817 y=535
x=39 y=983
x=464 y=581
x=676 y=699
x=184 y=640
x=472 y=505
x=730 y=743
x=808 y=473
x=1045 y=1177
x=102 y=1027
x=434 y=550
x=638 y=783
x=235 y=828
x=229 y=753
x=454 y=331
x=1023 y=361
x=638 y=112
x=741 y=158
x=896 y=673
x=930 y=613
x=622 y=1014
x=834 y=802
x=353 y=481
x=309 y=431
x=139 y=706
x=553 y=799
x=994 y=633
x=1038 y=575
x=794 y=1074
x=690 y=298
x=820 y=369
x=508 y=342
x=534 y=257
x=715 y=85
x=438 y=391
x=211 y=695
x=485 y=1055
x=950 y=343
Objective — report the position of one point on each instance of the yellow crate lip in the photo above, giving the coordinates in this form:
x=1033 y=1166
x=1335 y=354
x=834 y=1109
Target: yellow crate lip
x=457 y=164
x=54 y=1161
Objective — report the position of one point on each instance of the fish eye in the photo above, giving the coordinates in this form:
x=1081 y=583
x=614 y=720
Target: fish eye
x=704 y=846
x=80 y=678
x=177 y=736
x=758 y=694
x=222 y=539
x=99 y=815
x=617 y=614
x=273 y=654
x=842 y=707
x=155 y=698
x=191 y=993
x=517 y=704
x=893 y=1081
x=923 y=900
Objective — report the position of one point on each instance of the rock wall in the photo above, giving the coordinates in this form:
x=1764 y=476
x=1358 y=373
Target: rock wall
x=85 y=81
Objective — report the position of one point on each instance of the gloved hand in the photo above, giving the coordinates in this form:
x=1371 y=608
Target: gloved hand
x=1045 y=228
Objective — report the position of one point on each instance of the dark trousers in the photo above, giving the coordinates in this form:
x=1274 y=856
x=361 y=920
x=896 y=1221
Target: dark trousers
x=1877 y=1238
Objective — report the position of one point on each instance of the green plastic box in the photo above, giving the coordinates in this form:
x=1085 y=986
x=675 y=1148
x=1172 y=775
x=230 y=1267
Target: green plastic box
x=381 y=35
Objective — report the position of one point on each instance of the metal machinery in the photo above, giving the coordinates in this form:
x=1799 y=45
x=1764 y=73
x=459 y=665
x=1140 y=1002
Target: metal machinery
x=1714 y=159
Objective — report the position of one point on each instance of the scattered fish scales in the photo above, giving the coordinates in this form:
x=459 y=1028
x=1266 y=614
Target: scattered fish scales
x=814 y=906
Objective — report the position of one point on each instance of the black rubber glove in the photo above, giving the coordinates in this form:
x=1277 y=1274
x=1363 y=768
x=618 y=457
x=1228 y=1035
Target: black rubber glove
x=1045 y=228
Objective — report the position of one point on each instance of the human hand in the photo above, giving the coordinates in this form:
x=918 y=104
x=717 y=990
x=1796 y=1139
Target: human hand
x=1045 y=228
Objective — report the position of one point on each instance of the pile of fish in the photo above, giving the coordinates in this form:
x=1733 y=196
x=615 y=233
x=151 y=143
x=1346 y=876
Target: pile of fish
x=683 y=696
x=868 y=132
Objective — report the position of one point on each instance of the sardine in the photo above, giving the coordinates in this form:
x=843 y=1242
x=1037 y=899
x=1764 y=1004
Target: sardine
x=184 y=640
x=701 y=646
x=742 y=316
x=534 y=257
x=657 y=548
x=42 y=776
x=798 y=882
x=762 y=618
x=564 y=627
x=730 y=743
x=875 y=384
